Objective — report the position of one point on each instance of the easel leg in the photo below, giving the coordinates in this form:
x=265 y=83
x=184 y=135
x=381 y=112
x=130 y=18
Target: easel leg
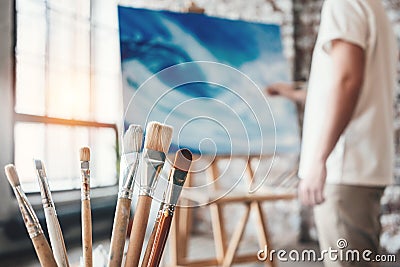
x=218 y=231
x=185 y=223
x=236 y=237
x=262 y=230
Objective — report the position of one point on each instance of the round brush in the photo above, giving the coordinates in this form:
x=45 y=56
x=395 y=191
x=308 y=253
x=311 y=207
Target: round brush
x=84 y=154
x=39 y=241
x=133 y=139
x=53 y=225
x=159 y=235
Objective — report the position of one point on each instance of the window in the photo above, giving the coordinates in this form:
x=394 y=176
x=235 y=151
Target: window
x=67 y=90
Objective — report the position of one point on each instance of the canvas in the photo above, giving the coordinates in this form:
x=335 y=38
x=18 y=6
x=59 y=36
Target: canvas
x=206 y=77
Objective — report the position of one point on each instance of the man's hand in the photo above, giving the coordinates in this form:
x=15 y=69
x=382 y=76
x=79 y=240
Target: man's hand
x=283 y=89
x=311 y=188
x=287 y=90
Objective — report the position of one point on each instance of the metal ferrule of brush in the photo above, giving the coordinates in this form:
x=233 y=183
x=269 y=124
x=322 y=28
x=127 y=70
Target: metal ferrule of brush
x=129 y=174
x=47 y=200
x=153 y=162
x=177 y=178
x=164 y=211
x=28 y=214
x=85 y=173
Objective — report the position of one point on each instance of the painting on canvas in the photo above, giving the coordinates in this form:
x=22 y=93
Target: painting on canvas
x=206 y=77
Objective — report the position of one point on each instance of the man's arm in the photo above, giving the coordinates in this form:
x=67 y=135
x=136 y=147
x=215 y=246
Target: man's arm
x=289 y=91
x=348 y=74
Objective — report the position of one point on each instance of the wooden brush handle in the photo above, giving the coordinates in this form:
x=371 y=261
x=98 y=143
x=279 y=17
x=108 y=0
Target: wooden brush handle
x=87 y=233
x=152 y=237
x=138 y=231
x=56 y=237
x=118 y=236
x=43 y=251
x=160 y=240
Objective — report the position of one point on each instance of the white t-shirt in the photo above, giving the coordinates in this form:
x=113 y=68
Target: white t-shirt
x=364 y=153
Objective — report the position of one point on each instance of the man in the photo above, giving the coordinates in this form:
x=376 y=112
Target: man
x=347 y=148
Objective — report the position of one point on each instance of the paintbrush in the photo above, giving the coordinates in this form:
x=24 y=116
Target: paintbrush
x=176 y=180
x=86 y=212
x=133 y=139
x=42 y=248
x=156 y=144
x=53 y=226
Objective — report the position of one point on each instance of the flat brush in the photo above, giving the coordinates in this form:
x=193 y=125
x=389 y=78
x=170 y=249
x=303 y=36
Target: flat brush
x=53 y=225
x=132 y=140
x=42 y=248
x=159 y=235
x=86 y=212
x=156 y=144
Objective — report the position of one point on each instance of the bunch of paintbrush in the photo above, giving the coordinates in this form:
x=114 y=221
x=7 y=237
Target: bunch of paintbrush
x=176 y=180
x=32 y=224
x=156 y=144
x=57 y=256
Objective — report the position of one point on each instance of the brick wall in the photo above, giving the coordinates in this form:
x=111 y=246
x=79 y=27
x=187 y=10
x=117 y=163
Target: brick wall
x=306 y=18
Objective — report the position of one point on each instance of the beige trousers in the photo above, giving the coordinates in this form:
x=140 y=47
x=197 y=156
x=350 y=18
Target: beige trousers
x=349 y=220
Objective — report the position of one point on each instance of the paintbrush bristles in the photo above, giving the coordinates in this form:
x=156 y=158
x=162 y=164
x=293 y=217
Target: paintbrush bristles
x=133 y=139
x=84 y=153
x=183 y=159
x=12 y=176
x=158 y=136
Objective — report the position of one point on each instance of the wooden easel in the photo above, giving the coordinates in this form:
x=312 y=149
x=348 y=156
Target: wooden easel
x=225 y=249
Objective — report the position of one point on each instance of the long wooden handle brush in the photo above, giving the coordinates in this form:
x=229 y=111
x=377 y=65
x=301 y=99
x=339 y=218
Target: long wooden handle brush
x=156 y=144
x=132 y=140
x=86 y=212
x=42 y=247
x=176 y=180
x=53 y=225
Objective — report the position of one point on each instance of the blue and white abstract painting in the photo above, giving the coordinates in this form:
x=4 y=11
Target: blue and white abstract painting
x=206 y=76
